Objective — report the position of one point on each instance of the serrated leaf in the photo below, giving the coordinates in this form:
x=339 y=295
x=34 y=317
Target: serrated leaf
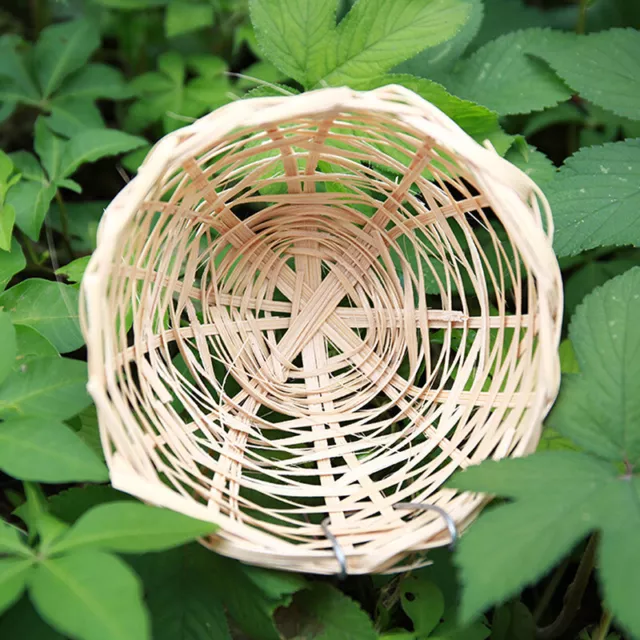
x=599 y=408
x=14 y=574
x=8 y=345
x=594 y=274
x=132 y=527
x=12 y=540
x=595 y=198
x=92 y=144
x=42 y=450
x=294 y=34
x=184 y=17
x=323 y=612
x=54 y=388
x=502 y=76
x=95 y=81
x=180 y=594
x=619 y=551
x=602 y=67
x=71 y=115
x=533 y=162
x=506 y=16
x=435 y=62
x=11 y=262
x=251 y=594
x=61 y=50
x=90 y=595
x=377 y=35
x=302 y=40
x=479 y=122
x=49 y=307
x=561 y=498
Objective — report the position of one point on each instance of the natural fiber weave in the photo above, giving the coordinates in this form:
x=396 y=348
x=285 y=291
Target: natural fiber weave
x=320 y=306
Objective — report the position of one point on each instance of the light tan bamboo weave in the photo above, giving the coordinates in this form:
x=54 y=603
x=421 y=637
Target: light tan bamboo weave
x=320 y=306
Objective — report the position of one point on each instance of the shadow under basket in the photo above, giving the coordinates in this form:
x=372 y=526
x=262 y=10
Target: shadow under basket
x=306 y=310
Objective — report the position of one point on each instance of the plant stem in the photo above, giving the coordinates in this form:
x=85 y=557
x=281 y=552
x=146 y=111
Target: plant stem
x=64 y=222
x=605 y=623
x=573 y=597
x=550 y=589
x=29 y=249
x=581 y=24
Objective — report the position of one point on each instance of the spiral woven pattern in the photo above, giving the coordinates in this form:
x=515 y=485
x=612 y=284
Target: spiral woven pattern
x=311 y=308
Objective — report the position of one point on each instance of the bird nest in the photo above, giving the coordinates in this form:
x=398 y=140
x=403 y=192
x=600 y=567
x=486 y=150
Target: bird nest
x=307 y=310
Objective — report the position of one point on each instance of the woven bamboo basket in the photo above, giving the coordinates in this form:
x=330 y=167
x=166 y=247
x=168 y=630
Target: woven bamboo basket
x=306 y=310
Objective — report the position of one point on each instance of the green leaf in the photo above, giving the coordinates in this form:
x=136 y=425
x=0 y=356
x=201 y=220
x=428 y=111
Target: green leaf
x=12 y=540
x=502 y=76
x=54 y=388
x=131 y=4
x=11 y=262
x=132 y=527
x=90 y=595
x=533 y=162
x=323 y=612
x=71 y=115
x=513 y=621
x=42 y=450
x=595 y=198
x=74 y=270
x=594 y=274
x=560 y=498
x=423 y=602
x=602 y=67
x=302 y=40
x=7 y=220
x=82 y=223
x=180 y=594
x=31 y=344
x=251 y=594
x=95 y=81
x=599 y=408
x=505 y=16
x=15 y=75
x=295 y=34
x=92 y=144
x=479 y=122
x=619 y=556
x=22 y=622
x=49 y=307
x=14 y=574
x=61 y=50
x=435 y=62
x=49 y=148
x=31 y=202
x=69 y=505
x=377 y=35
x=8 y=346
x=184 y=17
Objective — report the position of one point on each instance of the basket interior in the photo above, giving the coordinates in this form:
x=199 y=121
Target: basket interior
x=319 y=318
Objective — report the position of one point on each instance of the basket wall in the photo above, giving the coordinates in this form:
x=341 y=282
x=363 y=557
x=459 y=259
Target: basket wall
x=321 y=306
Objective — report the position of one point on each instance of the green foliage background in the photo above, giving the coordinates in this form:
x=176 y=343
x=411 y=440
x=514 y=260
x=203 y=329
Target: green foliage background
x=87 y=86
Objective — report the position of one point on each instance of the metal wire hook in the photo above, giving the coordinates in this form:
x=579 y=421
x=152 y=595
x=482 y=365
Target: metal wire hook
x=451 y=525
x=337 y=549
